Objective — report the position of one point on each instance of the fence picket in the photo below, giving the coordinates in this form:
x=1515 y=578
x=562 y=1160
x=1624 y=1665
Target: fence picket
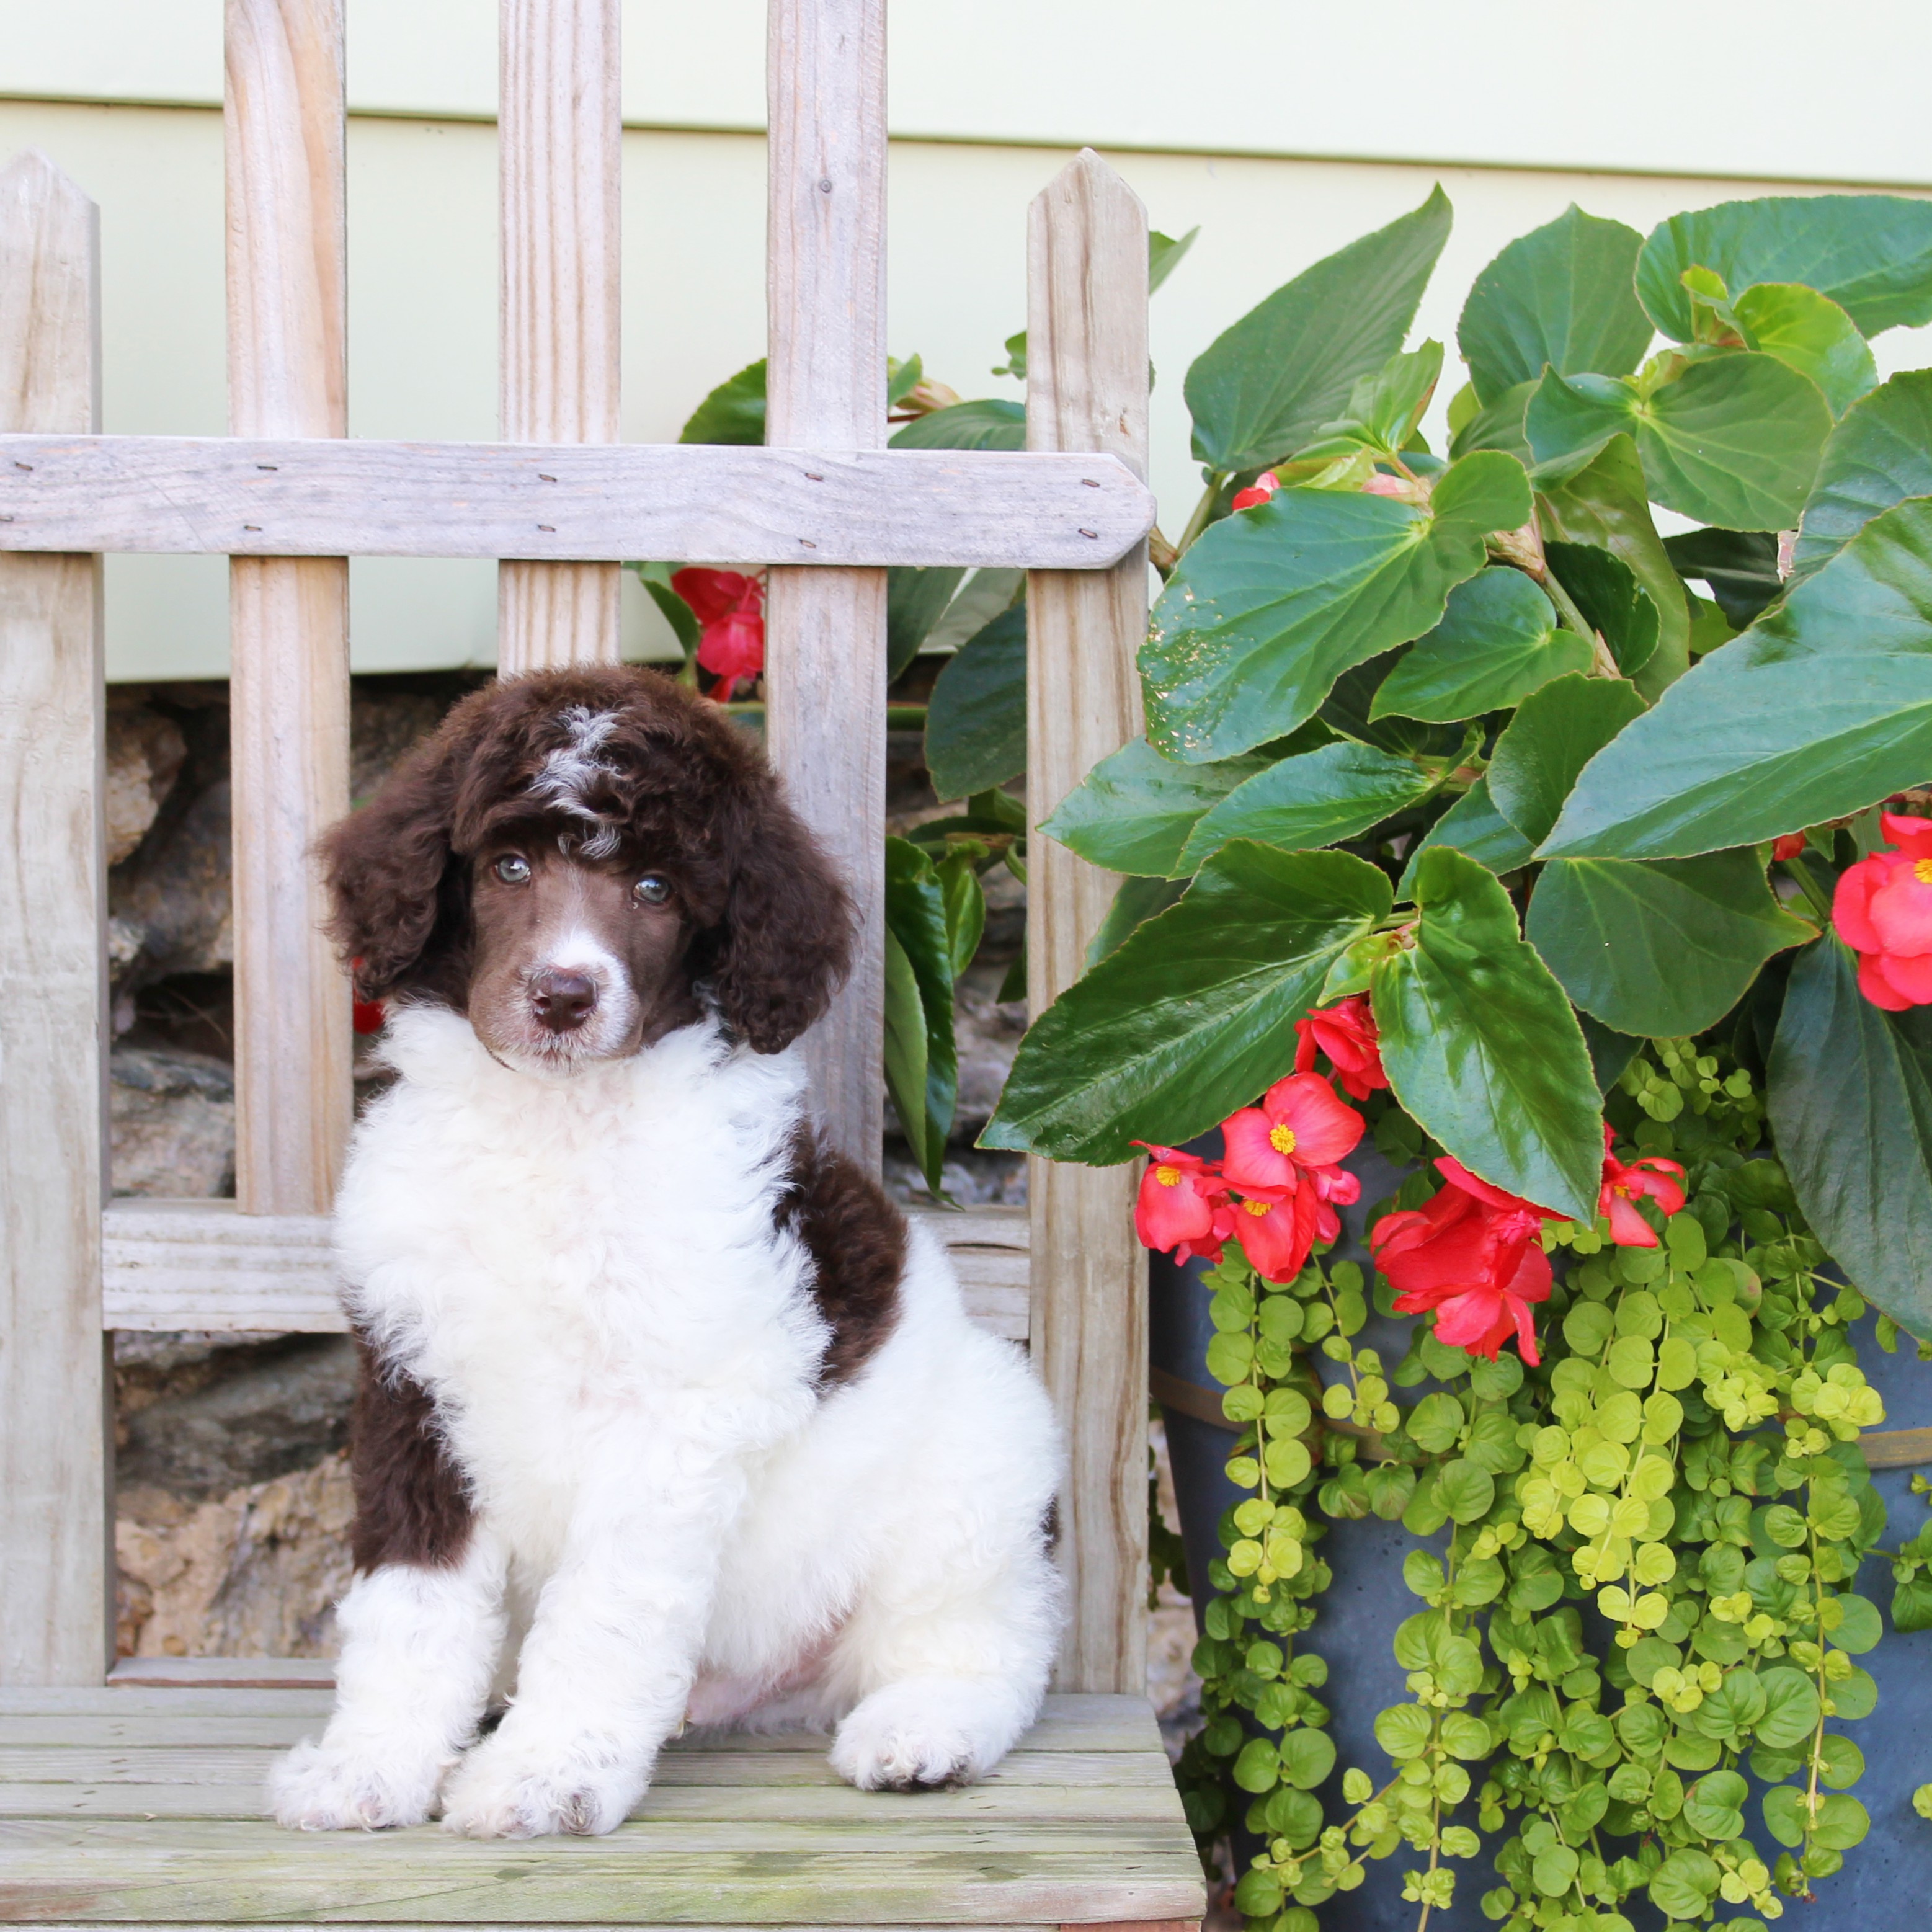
x=288 y=618
x=825 y=629
x=558 y=131
x=1087 y=388
x=56 y=1575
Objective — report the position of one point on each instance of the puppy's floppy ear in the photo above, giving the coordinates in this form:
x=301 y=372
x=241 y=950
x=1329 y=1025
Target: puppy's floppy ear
x=786 y=944
x=388 y=866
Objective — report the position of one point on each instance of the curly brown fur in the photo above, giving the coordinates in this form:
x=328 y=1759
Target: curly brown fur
x=675 y=785
x=411 y=1505
x=856 y=1239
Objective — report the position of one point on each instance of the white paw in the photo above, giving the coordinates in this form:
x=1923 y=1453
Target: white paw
x=323 y=1787
x=504 y=1790
x=923 y=1733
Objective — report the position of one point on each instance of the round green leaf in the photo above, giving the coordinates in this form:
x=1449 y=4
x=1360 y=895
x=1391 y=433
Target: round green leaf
x=1257 y=1769
x=1403 y=1730
x=1659 y=948
x=1269 y=607
x=1586 y=1327
x=1841 y=1762
x=1682 y=1887
x=1855 y=1696
x=1790 y=1708
x=1842 y=1823
x=1879 y=455
x=1318 y=798
x=1784 y=1814
x=1871 y=253
x=1307 y=1757
x=1554 y=1870
x=1194 y=1014
x=1860 y=1626
x=1497 y=642
x=1822 y=707
x=1480 y=1045
x=1465 y=1735
x=1714 y=1806
x=1468 y=1490
x=1560 y=296
x=1436 y=1422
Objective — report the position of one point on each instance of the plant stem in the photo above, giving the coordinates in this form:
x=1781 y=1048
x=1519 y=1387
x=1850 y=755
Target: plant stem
x=1203 y=511
x=1799 y=873
x=1574 y=619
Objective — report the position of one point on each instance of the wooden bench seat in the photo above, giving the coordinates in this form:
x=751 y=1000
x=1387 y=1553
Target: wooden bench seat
x=141 y=1805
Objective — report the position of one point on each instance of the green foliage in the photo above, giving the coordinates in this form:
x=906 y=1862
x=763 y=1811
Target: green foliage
x=1879 y=455
x=976 y=721
x=1498 y=640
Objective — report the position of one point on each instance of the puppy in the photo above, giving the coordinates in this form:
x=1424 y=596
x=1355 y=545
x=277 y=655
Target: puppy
x=667 y=1415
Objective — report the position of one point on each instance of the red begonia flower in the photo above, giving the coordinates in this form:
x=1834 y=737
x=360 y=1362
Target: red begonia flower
x=1176 y=1208
x=1471 y=1254
x=1882 y=910
x=1259 y=491
x=1277 y=1227
x=1299 y=1126
x=730 y=609
x=1625 y=1184
x=1346 y=1032
x=1789 y=846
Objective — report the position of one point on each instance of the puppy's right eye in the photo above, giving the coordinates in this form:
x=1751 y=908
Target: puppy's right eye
x=512 y=870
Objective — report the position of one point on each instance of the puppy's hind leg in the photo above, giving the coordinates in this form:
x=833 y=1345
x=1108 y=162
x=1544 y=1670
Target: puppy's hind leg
x=947 y=1652
x=419 y=1645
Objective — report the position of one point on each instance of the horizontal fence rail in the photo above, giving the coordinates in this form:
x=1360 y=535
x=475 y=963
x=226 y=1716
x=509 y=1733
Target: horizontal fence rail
x=692 y=503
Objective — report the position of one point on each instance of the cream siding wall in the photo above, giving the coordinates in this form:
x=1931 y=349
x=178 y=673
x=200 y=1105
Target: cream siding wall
x=422 y=198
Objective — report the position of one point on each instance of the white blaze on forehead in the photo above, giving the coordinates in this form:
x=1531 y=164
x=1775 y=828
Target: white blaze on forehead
x=572 y=768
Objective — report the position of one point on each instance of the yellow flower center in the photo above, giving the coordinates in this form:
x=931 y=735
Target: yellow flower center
x=1261 y=1207
x=1282 y=1139
x=1620 y=1189
x=1921 y=870
x=1167 y=1177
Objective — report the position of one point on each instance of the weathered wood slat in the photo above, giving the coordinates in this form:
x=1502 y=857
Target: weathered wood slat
x=1087 y=389
x=288 y=617
x=825 y=633
x=687 y=1872
x=700 y=503
x=224 y=1673
x=56 y=1571
x=393 y=1925
x=174 y=1264
x=559 y=133
x=735 y=1762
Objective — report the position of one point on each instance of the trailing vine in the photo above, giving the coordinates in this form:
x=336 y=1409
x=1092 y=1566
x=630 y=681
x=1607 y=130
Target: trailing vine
x=1644 y=1586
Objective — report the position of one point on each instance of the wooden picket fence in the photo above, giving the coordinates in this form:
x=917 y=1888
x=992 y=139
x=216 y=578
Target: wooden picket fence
x=288 y=497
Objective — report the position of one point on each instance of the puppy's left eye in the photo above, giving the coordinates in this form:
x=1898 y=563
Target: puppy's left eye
x=653 y=889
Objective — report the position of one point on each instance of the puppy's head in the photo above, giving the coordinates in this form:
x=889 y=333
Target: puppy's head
x=579 y=859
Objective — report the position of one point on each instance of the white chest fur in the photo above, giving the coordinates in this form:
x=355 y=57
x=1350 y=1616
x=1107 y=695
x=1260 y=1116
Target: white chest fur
x=582 y=1271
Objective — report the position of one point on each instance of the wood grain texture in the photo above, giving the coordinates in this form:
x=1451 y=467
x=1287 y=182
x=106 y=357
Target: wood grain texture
x=175 y=1264
x=825 y=631
x=559 y=130
x=288 y=618
x=197 y=496
x=1087 y=388
x=56 y=1574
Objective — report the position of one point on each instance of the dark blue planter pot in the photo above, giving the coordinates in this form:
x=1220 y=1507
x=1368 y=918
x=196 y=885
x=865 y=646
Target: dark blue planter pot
x=1886 y=1885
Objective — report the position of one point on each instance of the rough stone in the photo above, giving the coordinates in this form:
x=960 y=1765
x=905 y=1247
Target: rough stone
x=382 y=725
x=177 y=888
x=987 y=1033
x=171 y=1122
x=145 y=752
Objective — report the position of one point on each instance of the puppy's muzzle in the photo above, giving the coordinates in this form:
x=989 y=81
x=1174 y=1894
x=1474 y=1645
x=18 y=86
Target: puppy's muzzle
x=560 y=1000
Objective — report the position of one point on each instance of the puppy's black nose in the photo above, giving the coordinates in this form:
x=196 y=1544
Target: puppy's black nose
x=561 y=1001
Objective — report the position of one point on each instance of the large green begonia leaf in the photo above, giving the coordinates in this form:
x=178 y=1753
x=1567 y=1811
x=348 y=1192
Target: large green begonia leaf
x=1481 y=1048
x=1133 y=811
x=1497 y=641
x=1475 y=828
x=1734 y=440
x=1606 y=504
x=1264 y=387
x=734 y=411
x=1879 y=455
x=994 y=422
x=917 y=597
x=975 y=719
x=1659 y=948
x=1871 y=253
x=1739 y=567
x=1562 y=297
x=1810 y=333
x=1269 y=607
x=1822 y=708
x=1604 y=587
x=1194 y=1014
x=924 y=1085
x=1850 y=1090
x=1556 y=732
x=1316 y=799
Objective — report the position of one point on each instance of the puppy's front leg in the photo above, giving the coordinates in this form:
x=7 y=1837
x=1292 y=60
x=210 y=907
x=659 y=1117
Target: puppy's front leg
x=419 y=1644
x=606 y=1668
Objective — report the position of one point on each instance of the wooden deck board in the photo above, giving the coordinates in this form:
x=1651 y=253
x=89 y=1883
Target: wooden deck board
x=142 y=1806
